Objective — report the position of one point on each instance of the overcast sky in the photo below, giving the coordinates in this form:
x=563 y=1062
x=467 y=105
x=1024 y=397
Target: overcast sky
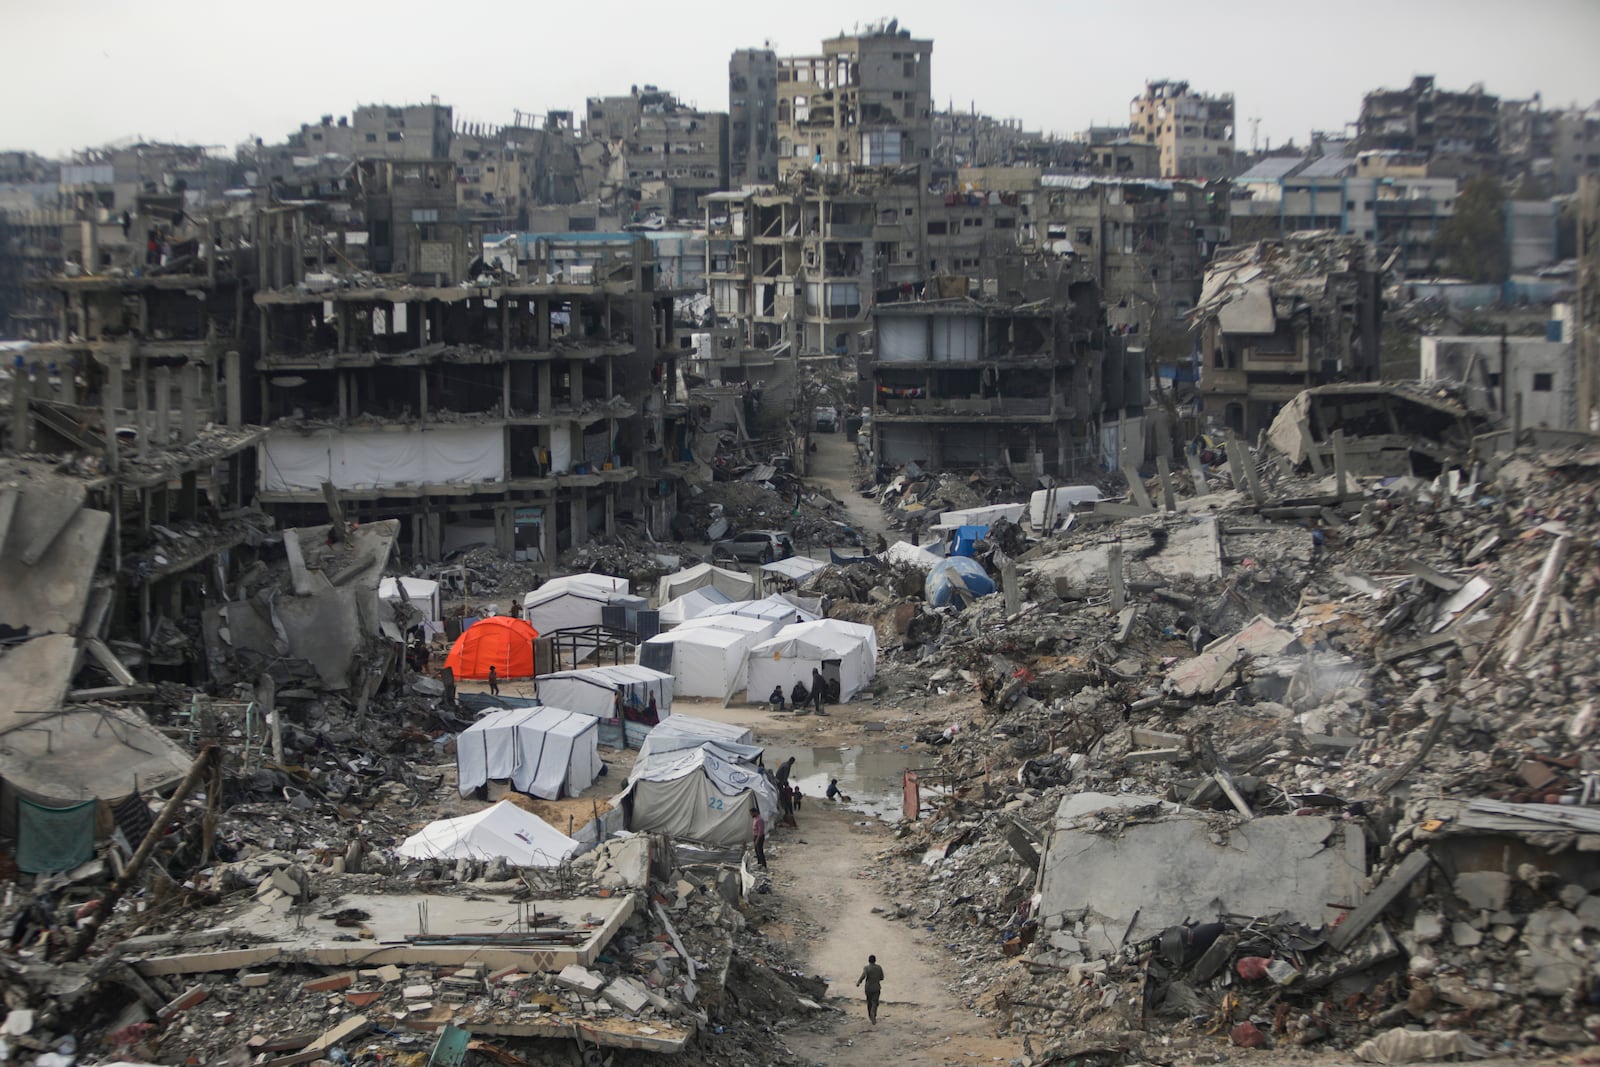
x=84 y=72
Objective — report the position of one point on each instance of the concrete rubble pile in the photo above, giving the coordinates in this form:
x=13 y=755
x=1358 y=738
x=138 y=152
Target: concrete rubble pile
x=314 y=940
x=1301 y=761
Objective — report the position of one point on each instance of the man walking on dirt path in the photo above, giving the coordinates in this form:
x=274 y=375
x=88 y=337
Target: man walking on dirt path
x=872 y=974
x=494 y=682
x=758 y=827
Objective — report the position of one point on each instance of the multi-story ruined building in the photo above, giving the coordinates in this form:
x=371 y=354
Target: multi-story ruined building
x=503 y=172
x=526 y=414
x=1457 y=132
x=1143 y=242
x=804 y=265
x=666 y=153
x=1192 y=131
x=1277 y=317
x=1018 y=383
x=866 y=101
x=752 y=117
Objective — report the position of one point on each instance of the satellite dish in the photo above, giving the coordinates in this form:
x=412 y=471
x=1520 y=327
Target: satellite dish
x=894 y=24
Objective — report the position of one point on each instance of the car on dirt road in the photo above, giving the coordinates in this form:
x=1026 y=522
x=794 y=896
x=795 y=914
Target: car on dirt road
x=755 y=546
x=826 y=419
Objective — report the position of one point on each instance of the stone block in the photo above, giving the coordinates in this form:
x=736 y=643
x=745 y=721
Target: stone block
x=581 y=979
x=628 y=995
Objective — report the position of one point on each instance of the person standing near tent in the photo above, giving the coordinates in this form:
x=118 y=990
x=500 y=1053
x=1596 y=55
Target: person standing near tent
x=651 y=715
x=494 y=682
x=785 y=801
x=758 y=827
x=818 y=688
x=872 y=974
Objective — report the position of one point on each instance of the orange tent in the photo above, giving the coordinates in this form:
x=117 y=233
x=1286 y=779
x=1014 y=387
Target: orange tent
x=499 y=641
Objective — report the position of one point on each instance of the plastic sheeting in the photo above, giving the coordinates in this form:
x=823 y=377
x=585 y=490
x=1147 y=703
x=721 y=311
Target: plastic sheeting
x=735 y=584
x=376 y=459
x=904 y=552
x=954 y=571
x=548 y=752
x=687 y=731
x=795 y=568
x=421 y=593
x=1065 y=497
x=504 y=831
x=698 y=795
x=792 y=654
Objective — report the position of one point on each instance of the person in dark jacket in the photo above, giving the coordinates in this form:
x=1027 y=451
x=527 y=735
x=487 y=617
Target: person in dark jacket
x=872 y=974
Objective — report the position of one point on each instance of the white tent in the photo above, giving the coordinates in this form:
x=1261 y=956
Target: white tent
x=705 y=661
x=422 y=593
x=594 y=692
x=548 y=752
x=796 y=568
x=504 y=831
x=692 y=605
x=697 y=794
x=796 y=650
x=571 y=601
x=758 y=628
x=776 y=608
x=687 y=731
x=736 y=584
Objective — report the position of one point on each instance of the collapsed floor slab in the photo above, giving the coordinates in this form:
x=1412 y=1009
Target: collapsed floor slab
x=1127 y=880
x=470 y=926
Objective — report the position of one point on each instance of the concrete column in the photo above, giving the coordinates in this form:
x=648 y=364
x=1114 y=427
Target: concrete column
x=422 y=391
x=575 y=382
x=580 y=516
x=163 y=430
x=233 y=382
x=547 y=533
x=505 y=390
x=541 y=321
x=110 y=403
x=505 y=325
x=611 y=512
x=344 y=393
x=545 y=379
x=191 y=400
x=141 y=406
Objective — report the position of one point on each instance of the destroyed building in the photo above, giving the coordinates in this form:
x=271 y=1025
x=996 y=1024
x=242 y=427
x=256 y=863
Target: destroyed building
x=524 y=410
x=1277 y=317
x=1457 y=132
x=666 y=154
x=752 y=117
x=962 y=385
x=865 y=101
x=1192 y=130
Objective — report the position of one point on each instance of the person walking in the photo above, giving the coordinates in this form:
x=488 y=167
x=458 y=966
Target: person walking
x=818 y=687
x=494 y=682
x=785 y=801
x=872 y=974
x=758 y=827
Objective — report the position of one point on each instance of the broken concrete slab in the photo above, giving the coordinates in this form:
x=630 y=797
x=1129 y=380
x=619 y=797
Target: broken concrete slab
x=581 y=979
x=1153 y=875
x=628 y=995
x=1214 y=668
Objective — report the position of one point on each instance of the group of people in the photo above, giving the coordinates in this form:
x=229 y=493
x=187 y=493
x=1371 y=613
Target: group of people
x=800 y=696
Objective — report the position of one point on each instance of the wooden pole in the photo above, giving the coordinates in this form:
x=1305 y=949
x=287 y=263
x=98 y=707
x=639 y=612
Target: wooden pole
x=108 y=901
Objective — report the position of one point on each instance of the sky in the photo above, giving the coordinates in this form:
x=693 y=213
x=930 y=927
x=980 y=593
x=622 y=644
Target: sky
x=81 y=73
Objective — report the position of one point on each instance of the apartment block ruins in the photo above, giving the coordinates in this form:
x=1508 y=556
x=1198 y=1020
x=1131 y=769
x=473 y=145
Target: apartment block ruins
x=1020 y=385
x=1457 y=132
x=1278 y=317
x=1193 y=131
x=865 y=101
x=752 y=116
x=522 y=409
x=664 y=152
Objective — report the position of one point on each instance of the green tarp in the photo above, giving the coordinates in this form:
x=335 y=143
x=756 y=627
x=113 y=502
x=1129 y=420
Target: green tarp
x=54 y=839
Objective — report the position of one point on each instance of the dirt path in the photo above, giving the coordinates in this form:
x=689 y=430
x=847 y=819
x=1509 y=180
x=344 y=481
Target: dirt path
x=833 y=467
x=823 y=878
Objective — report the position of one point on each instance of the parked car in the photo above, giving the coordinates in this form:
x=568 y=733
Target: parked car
x=827 y=419
x=755 y=546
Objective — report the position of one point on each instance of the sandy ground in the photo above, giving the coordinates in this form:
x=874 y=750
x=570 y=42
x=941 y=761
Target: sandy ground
x=833 y=467
x=823 y=881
